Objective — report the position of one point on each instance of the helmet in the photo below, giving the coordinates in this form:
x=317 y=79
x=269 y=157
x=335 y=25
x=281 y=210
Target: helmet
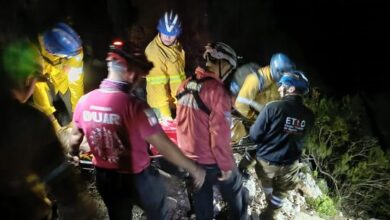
x=221 y=51
x=169 y=24
x=62 y=40
x=21 y=60
x=280 y=63
x=297 y=79
x=130 y=57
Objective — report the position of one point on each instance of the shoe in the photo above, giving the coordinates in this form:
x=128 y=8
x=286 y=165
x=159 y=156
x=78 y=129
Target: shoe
x=245 y=175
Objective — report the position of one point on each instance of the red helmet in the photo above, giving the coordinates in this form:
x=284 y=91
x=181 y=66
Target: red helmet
x=131 y=57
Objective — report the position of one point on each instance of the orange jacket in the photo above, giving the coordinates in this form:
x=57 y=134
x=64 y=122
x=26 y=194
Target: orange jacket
x=202 y=137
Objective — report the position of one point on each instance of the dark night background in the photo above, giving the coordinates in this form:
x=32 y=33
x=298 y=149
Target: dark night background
x=340 y=44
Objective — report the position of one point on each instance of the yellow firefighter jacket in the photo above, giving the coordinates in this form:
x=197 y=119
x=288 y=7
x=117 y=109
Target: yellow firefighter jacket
x=251 y=99
x=164 y=79
x=63 y=74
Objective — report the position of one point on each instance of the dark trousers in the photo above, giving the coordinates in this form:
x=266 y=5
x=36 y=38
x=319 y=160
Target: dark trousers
x=121 y=191
x=231 y=191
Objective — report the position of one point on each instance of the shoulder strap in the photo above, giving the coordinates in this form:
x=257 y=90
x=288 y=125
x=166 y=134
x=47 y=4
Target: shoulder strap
x=194 y=86
x=260 y=78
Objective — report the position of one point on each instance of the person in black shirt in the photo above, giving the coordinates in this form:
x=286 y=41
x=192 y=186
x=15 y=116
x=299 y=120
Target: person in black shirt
x=279 y=132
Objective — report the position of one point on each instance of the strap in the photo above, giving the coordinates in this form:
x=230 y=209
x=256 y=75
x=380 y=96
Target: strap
x=194 y=86
x=201 y=104
x=260 y=78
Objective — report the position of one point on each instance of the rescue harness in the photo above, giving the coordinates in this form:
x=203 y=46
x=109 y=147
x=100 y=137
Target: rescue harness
x=193 y=87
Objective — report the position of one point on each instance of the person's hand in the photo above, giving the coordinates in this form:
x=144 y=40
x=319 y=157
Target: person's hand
x=225 y=175
x=75 y=160
x=64 y=134
x=56 y=125
x=198 y=175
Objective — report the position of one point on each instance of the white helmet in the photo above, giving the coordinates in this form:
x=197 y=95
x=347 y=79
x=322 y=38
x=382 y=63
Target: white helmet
x=221 y=51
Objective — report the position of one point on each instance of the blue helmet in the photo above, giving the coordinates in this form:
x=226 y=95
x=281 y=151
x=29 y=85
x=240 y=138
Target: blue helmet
x=62 y=40
x=280 y=63
x=169 y=24
x=297 y=79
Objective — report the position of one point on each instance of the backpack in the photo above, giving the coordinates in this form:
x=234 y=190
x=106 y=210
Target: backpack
x=194 y=86
x=239 y=76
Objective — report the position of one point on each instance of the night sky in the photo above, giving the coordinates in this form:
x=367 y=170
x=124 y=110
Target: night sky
x=340 y=44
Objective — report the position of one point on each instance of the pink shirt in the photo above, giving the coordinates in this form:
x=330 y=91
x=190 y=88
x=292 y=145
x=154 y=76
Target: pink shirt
x=116 y=125
x=206 y=138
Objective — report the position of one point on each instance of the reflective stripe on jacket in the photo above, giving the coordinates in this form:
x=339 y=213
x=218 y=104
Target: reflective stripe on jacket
x=166 y=75
x=162 y=80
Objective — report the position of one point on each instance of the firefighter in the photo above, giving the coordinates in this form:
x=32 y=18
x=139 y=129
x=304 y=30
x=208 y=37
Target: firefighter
x=168 y=58
x=203 y=131
x=62 y=53
x=118 y=128
x=254 y=86
x=279 y=133
x=258 y=87
x=34 y=163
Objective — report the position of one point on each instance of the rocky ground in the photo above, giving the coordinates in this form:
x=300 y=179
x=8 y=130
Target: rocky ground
x=294 y=205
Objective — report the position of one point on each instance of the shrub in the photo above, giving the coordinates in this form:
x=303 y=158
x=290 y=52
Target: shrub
x=323 y=205
x=348 y=157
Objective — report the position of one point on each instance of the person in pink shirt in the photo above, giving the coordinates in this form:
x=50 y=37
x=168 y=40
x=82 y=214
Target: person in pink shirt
x=118 y=128
x=203 y=131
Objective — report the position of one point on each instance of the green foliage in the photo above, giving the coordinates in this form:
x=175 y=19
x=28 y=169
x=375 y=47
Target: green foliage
x=322 y=184
x=323 y=205
x=347 y=156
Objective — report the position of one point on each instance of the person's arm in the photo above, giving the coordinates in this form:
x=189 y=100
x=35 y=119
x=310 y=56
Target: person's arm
x=76 y=137
x=172 y=153
x=176 y=73
x=259 y=128
x=42 y=102
x=77 y=134
x=75 y=78
x=246 y=97
x=61 y=179
x=219 y=125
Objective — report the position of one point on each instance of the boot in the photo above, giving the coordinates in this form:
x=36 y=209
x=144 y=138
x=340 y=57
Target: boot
x=270 y=212
x=247 y=161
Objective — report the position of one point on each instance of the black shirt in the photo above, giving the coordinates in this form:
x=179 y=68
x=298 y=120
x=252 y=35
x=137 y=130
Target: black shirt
x=280 y=129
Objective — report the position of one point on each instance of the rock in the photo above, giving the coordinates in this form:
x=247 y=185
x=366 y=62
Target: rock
x=172 y=203
x=294 y=204
x=308 y=185
x=304 y=216
x=250 y=185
